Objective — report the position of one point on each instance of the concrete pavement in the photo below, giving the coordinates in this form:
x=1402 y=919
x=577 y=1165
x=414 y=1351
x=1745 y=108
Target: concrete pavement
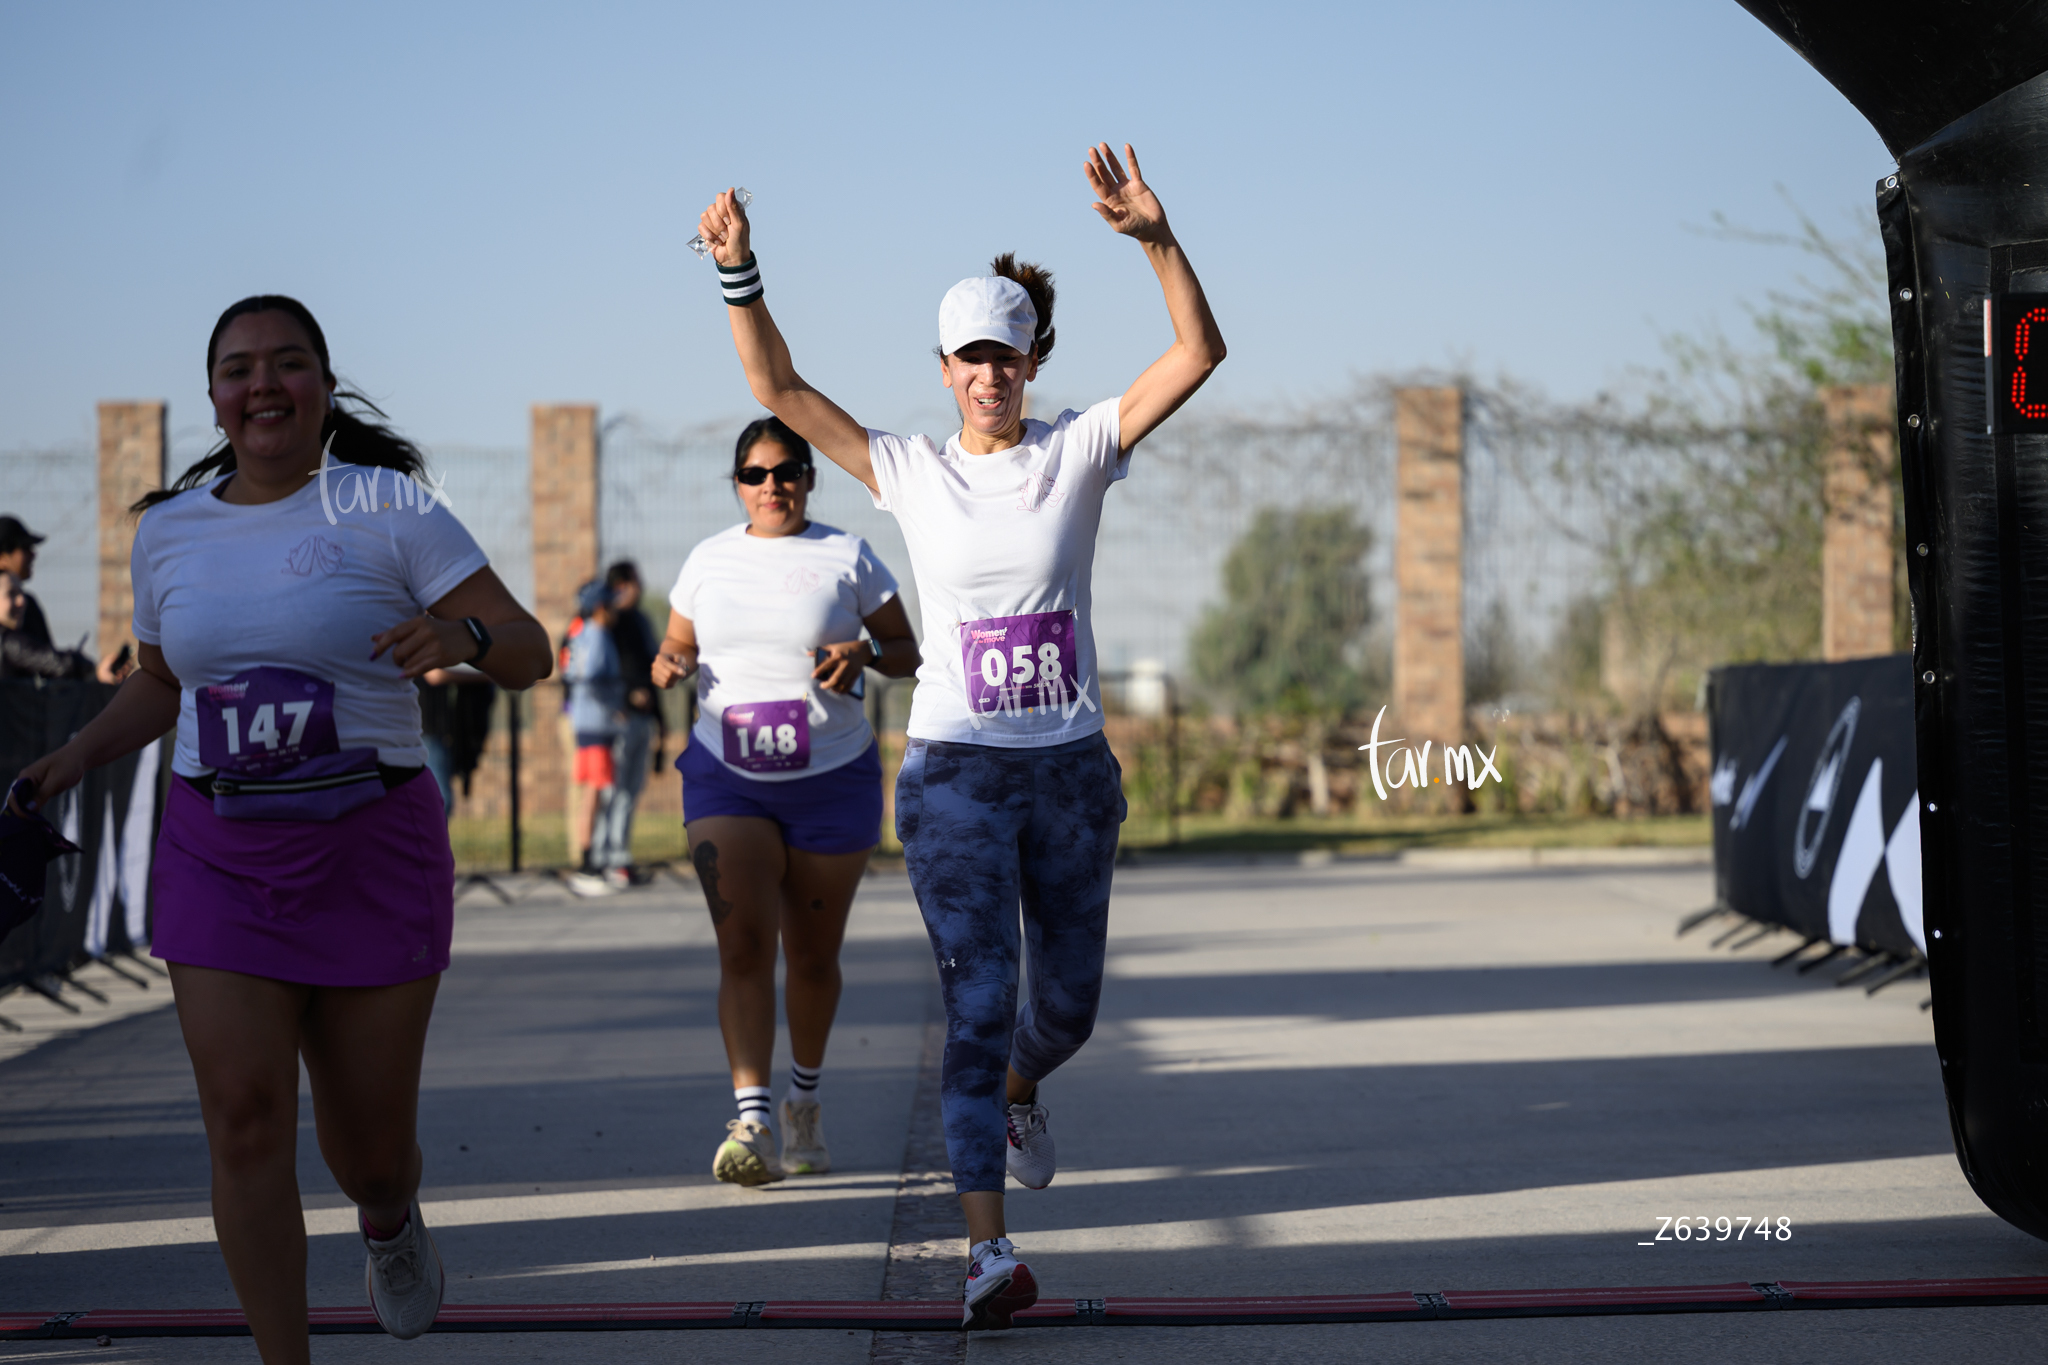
x=1355 y=1077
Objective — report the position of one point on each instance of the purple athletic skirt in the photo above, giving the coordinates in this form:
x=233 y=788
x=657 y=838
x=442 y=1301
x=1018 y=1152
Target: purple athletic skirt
x=365 y=900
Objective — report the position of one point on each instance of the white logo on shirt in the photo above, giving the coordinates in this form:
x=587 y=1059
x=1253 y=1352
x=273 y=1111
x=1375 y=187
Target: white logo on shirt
x=356 y=490
x=314 y=552
x=801 y=581
x=1038 y=492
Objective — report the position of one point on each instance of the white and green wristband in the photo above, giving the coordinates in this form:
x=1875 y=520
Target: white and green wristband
x=741 y=283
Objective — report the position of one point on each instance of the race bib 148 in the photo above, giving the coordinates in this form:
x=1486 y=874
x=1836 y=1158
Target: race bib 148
x=768 y=736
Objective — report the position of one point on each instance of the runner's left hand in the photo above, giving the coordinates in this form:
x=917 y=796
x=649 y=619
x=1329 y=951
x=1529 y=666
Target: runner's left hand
x=843 y=664
x=424 y=643
x=1125 y=202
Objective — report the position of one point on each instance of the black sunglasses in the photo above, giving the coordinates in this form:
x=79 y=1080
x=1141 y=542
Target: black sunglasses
x=790 y=471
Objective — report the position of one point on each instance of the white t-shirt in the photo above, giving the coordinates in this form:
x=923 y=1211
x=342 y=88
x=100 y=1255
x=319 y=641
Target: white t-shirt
x=1003 y=547
x=761 y=606
x=302 y=584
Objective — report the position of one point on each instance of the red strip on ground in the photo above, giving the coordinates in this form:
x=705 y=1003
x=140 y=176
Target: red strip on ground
x=2013 y=1290
x=1323 y=1308
x=1555 y=1302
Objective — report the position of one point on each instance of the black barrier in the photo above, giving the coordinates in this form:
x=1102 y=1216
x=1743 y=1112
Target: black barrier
x=1960 y=95
x=1814 y=799
x=97 y=901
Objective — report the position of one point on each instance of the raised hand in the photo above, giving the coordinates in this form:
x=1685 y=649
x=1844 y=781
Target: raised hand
x=1125 y=201
x=724 y=225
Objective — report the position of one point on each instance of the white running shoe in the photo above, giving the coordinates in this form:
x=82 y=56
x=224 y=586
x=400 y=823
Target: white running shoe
x=1030 y=1155
x=747 y=1156
x=405 y=1278
x=997 y=1286
x=590 y=884
x=803 y=1139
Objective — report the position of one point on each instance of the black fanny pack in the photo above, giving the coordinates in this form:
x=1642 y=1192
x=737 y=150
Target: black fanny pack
x=323 y=788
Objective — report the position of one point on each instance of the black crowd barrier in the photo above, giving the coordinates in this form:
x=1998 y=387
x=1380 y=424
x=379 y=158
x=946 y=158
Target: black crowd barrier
x=1959 y=93
x=97 y=901
x=1815 y=797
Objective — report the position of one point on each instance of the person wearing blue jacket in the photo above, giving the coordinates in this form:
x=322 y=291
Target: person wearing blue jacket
x=597 y=714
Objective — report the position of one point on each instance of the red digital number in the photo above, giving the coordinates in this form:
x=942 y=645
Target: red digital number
x=2020 y=332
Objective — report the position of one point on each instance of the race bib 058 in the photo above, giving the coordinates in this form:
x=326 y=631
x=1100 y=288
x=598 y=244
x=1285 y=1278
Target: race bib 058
x=1014 y=664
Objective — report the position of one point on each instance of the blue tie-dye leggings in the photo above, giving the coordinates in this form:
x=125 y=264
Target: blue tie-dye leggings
x=985 y=830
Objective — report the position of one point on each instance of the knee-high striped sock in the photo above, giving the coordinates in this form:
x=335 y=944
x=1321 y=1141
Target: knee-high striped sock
x=803 y=1083
x=753 y=1102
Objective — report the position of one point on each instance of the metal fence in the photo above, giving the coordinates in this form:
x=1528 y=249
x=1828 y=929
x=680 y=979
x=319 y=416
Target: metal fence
x=1530 y=537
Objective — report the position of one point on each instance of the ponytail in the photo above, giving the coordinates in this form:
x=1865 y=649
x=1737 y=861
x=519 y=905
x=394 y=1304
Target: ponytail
x=1037 y=282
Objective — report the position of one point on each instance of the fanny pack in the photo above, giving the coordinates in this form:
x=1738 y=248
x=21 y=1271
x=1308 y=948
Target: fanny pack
x=325 y=787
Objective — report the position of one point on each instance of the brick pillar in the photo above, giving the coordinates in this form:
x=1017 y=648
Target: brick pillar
x=1856 y=549
x=1429 y=645
x=132 y=446
x=564 y=558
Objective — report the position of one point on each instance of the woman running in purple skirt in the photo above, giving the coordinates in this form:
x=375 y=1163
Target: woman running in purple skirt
x=1008 y=796
x=782 y=778
x=288 y=589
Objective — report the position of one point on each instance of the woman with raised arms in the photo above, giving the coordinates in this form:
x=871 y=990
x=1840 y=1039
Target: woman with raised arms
x=1008 y=795
x=284 y=603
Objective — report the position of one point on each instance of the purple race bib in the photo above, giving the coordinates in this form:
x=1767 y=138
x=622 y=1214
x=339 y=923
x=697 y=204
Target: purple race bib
x=768 y=736
x=258 y=723
x=1014 y=664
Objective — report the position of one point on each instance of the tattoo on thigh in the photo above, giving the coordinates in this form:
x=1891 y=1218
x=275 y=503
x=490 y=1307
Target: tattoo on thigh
x=705 y=860
x=817 y=905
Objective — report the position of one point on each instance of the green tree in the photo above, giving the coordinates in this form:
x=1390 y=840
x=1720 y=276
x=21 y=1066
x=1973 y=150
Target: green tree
x=1296 y=601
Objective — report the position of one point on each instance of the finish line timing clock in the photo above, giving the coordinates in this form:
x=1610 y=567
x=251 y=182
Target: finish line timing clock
x=2016 y=362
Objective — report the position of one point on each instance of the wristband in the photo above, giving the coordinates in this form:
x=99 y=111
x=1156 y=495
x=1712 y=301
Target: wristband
x=742 y=283
x=482 y=637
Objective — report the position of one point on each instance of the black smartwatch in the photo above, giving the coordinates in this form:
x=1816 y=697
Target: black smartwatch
x=483 y=638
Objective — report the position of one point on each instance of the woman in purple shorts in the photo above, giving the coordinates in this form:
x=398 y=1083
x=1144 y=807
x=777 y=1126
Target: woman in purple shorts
x=782 y=778
x=1009 y=800
x=288 y=589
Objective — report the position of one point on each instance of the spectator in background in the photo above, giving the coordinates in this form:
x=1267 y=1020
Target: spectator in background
x=597 y=700
x=612 y=831
x=455 y=725
x=22 y=656
x=18 y=557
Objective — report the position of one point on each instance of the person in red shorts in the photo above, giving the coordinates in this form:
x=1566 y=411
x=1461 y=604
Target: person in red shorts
x=597 y=713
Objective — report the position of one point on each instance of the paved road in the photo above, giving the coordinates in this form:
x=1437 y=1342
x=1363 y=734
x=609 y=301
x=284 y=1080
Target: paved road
x=1359 y=1077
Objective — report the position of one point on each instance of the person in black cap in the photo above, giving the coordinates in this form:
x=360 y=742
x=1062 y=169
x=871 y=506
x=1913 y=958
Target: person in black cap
x=18 y=557
x=22 y=657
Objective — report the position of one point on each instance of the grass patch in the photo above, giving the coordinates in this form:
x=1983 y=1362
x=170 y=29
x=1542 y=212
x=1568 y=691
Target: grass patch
x=486 y=845
x=483 y=845
x=1392 y=833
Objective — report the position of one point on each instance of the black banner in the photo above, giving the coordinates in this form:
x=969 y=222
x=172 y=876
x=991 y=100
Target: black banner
x=96 y=901
x=1815 y=799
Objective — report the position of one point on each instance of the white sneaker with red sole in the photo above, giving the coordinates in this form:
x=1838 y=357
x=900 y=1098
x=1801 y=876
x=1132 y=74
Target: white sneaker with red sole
x=999 y=1286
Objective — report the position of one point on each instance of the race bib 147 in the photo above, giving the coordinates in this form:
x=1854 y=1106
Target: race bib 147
x=264 y=721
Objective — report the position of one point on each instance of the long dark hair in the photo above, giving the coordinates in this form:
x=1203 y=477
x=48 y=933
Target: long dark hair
x=356 y=440
x=770 y=429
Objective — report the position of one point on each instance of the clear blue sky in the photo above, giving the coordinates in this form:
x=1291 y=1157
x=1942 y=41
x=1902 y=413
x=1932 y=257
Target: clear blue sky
x=486 y=204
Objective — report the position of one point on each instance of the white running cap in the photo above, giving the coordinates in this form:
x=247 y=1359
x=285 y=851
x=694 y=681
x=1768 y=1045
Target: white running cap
x=987 y=308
